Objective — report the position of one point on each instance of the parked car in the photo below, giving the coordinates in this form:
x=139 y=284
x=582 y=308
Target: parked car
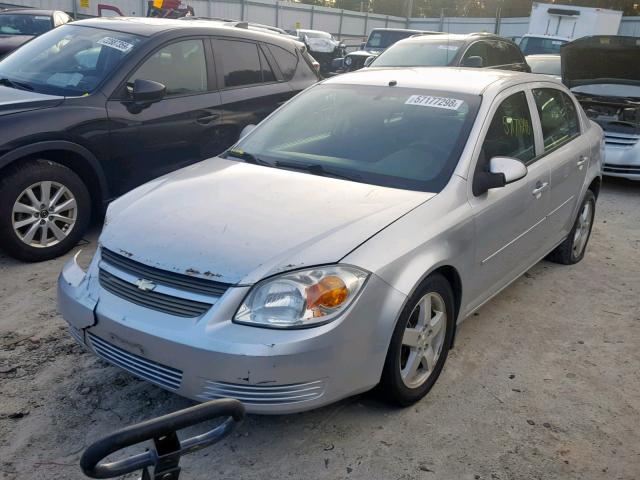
x=328 y=253
x=541 y=44
x=545 y=65
x=92 y=109
x=601 y=71
x=322 y=46
x=379 y=40
x=480 y=50
x=19 y=25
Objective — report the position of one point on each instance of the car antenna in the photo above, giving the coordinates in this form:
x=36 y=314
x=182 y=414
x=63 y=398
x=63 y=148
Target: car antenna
x=393 y=83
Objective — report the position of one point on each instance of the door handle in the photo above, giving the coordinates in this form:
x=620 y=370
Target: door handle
x=205 y=119
x=583 y=159
x=540 y=187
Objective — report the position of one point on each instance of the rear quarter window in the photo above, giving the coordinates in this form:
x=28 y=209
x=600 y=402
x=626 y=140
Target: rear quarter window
x=287 y=61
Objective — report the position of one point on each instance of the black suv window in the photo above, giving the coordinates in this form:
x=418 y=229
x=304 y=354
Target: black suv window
x=242 y=63
x=180 y=66
x=287 y=61
x=510 y=133
x=558 y=117
x=503 y=53
x=478 y=49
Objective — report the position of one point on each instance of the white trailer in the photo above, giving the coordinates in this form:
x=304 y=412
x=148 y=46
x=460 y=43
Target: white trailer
x=572 y=22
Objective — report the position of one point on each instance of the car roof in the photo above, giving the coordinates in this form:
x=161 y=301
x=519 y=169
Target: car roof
x=148 y=27
x=28 y=11
x=472 y=81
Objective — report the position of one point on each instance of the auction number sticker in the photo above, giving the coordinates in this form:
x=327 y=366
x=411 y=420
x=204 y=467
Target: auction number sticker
x=436 y=102
x=119 y=45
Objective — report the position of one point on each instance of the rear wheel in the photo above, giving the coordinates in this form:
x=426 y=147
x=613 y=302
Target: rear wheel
x=44 y=210
x=420 y=343
x=573 y=248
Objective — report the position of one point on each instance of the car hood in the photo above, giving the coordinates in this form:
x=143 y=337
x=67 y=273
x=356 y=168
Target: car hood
x=601 y=59
x=13 y=100
x=238 y=223
x=365 y=53
x=322 y=45
x=8 y=43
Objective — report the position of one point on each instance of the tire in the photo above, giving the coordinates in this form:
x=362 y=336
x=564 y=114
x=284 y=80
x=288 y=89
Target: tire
x=572 y=249
x=32 y=232
x=396 y=384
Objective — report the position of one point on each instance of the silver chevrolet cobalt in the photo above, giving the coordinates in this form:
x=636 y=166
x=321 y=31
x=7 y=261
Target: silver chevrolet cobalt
x=338 y=245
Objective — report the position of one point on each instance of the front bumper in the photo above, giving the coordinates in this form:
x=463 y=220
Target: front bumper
x=622 y=160
x=270 y=371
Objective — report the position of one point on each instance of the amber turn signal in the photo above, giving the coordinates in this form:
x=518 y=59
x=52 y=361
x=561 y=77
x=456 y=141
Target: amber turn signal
x=330 y=292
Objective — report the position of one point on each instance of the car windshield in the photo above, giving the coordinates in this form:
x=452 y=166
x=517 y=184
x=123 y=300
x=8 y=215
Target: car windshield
x=69 y=60
x=396 y=137
x=427 y=53
x=24 y=24
x=384 y=38
x=545 y=65
x=539 y=45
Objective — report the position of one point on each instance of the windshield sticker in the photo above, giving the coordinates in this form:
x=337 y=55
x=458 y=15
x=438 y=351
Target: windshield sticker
x=63 y=79
x=41 y=17
x=452 y=48
x=119 y=45
x=435 y=102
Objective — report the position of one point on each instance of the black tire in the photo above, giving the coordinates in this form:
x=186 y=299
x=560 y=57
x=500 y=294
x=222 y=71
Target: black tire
x=14 y=181
x=564 y=253
x=392 y=386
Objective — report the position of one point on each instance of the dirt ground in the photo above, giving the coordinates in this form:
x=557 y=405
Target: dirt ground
x=544 y=383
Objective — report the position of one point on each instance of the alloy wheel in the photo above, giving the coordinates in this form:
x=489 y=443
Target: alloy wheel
x=423 y=340
x=44 y=214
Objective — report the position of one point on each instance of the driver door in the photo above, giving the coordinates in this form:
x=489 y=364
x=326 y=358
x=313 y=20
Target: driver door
x=510 y=225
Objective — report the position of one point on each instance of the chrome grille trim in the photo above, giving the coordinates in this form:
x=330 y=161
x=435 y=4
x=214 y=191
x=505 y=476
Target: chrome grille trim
x=624 y=140
x=264 y=394
x=164 y=277
x=76 y=334
x=154 y=372
x=161 y=302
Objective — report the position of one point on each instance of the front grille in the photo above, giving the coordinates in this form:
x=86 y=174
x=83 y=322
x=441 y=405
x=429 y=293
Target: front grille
x=161 y=302
x=264 y=394
x=154 y=372
x=622 y=140
x=170 y=279
x=625 y=169
x=357 y=62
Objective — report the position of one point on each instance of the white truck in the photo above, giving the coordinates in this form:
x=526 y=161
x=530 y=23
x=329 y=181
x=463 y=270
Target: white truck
x=552 y=25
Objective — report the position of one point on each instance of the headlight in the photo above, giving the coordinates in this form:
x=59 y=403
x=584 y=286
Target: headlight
x=303 y=298
x=348 y=61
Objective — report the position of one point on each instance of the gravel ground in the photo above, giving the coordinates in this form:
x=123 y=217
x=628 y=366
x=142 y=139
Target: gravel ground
x=544 y=383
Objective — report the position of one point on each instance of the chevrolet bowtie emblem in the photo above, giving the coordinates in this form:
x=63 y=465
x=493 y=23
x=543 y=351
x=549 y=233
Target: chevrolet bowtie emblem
x=145 y=285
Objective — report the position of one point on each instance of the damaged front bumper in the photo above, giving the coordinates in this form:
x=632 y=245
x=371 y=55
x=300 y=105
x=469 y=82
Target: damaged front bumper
x=207 y=357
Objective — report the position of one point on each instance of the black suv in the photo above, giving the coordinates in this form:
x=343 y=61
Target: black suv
x=480 y=50
x=92 y=109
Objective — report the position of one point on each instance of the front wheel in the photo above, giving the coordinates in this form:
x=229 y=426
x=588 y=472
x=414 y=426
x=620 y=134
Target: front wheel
x=420 y=343
x=44 y=210
x=573 y=248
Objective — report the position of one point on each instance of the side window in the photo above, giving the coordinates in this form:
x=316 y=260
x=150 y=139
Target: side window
x=180 y=66
x=287 y=61
x=510 y=133
x=558 y=117
x=514 y=54
x=242 y=63
x=478 y=49
x=498 y=54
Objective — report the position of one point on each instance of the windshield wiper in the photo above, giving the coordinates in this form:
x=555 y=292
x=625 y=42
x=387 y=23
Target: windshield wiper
x=317 y=169
x=247 y=157
x=13 y=84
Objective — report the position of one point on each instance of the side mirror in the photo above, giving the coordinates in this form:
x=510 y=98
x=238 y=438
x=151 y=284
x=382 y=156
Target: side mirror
x=247 y=130
x=362 y=45
x=512 y=168
x=369 y=61
x=148 y=91
x=502 y=171
x=473 y=62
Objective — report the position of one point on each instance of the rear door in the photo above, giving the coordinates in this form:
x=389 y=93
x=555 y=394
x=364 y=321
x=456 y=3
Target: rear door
x=252 y=85
x=566 y=151
x=181 y=129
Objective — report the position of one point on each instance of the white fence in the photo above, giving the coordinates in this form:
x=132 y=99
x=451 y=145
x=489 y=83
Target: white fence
x=345 y=24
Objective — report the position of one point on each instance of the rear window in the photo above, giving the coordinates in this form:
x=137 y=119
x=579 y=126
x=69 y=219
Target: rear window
x=538 y=45
x=24 y=24
x=431 y=53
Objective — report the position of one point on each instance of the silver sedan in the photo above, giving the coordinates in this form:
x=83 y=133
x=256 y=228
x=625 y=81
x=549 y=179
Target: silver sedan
x=339 y=244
